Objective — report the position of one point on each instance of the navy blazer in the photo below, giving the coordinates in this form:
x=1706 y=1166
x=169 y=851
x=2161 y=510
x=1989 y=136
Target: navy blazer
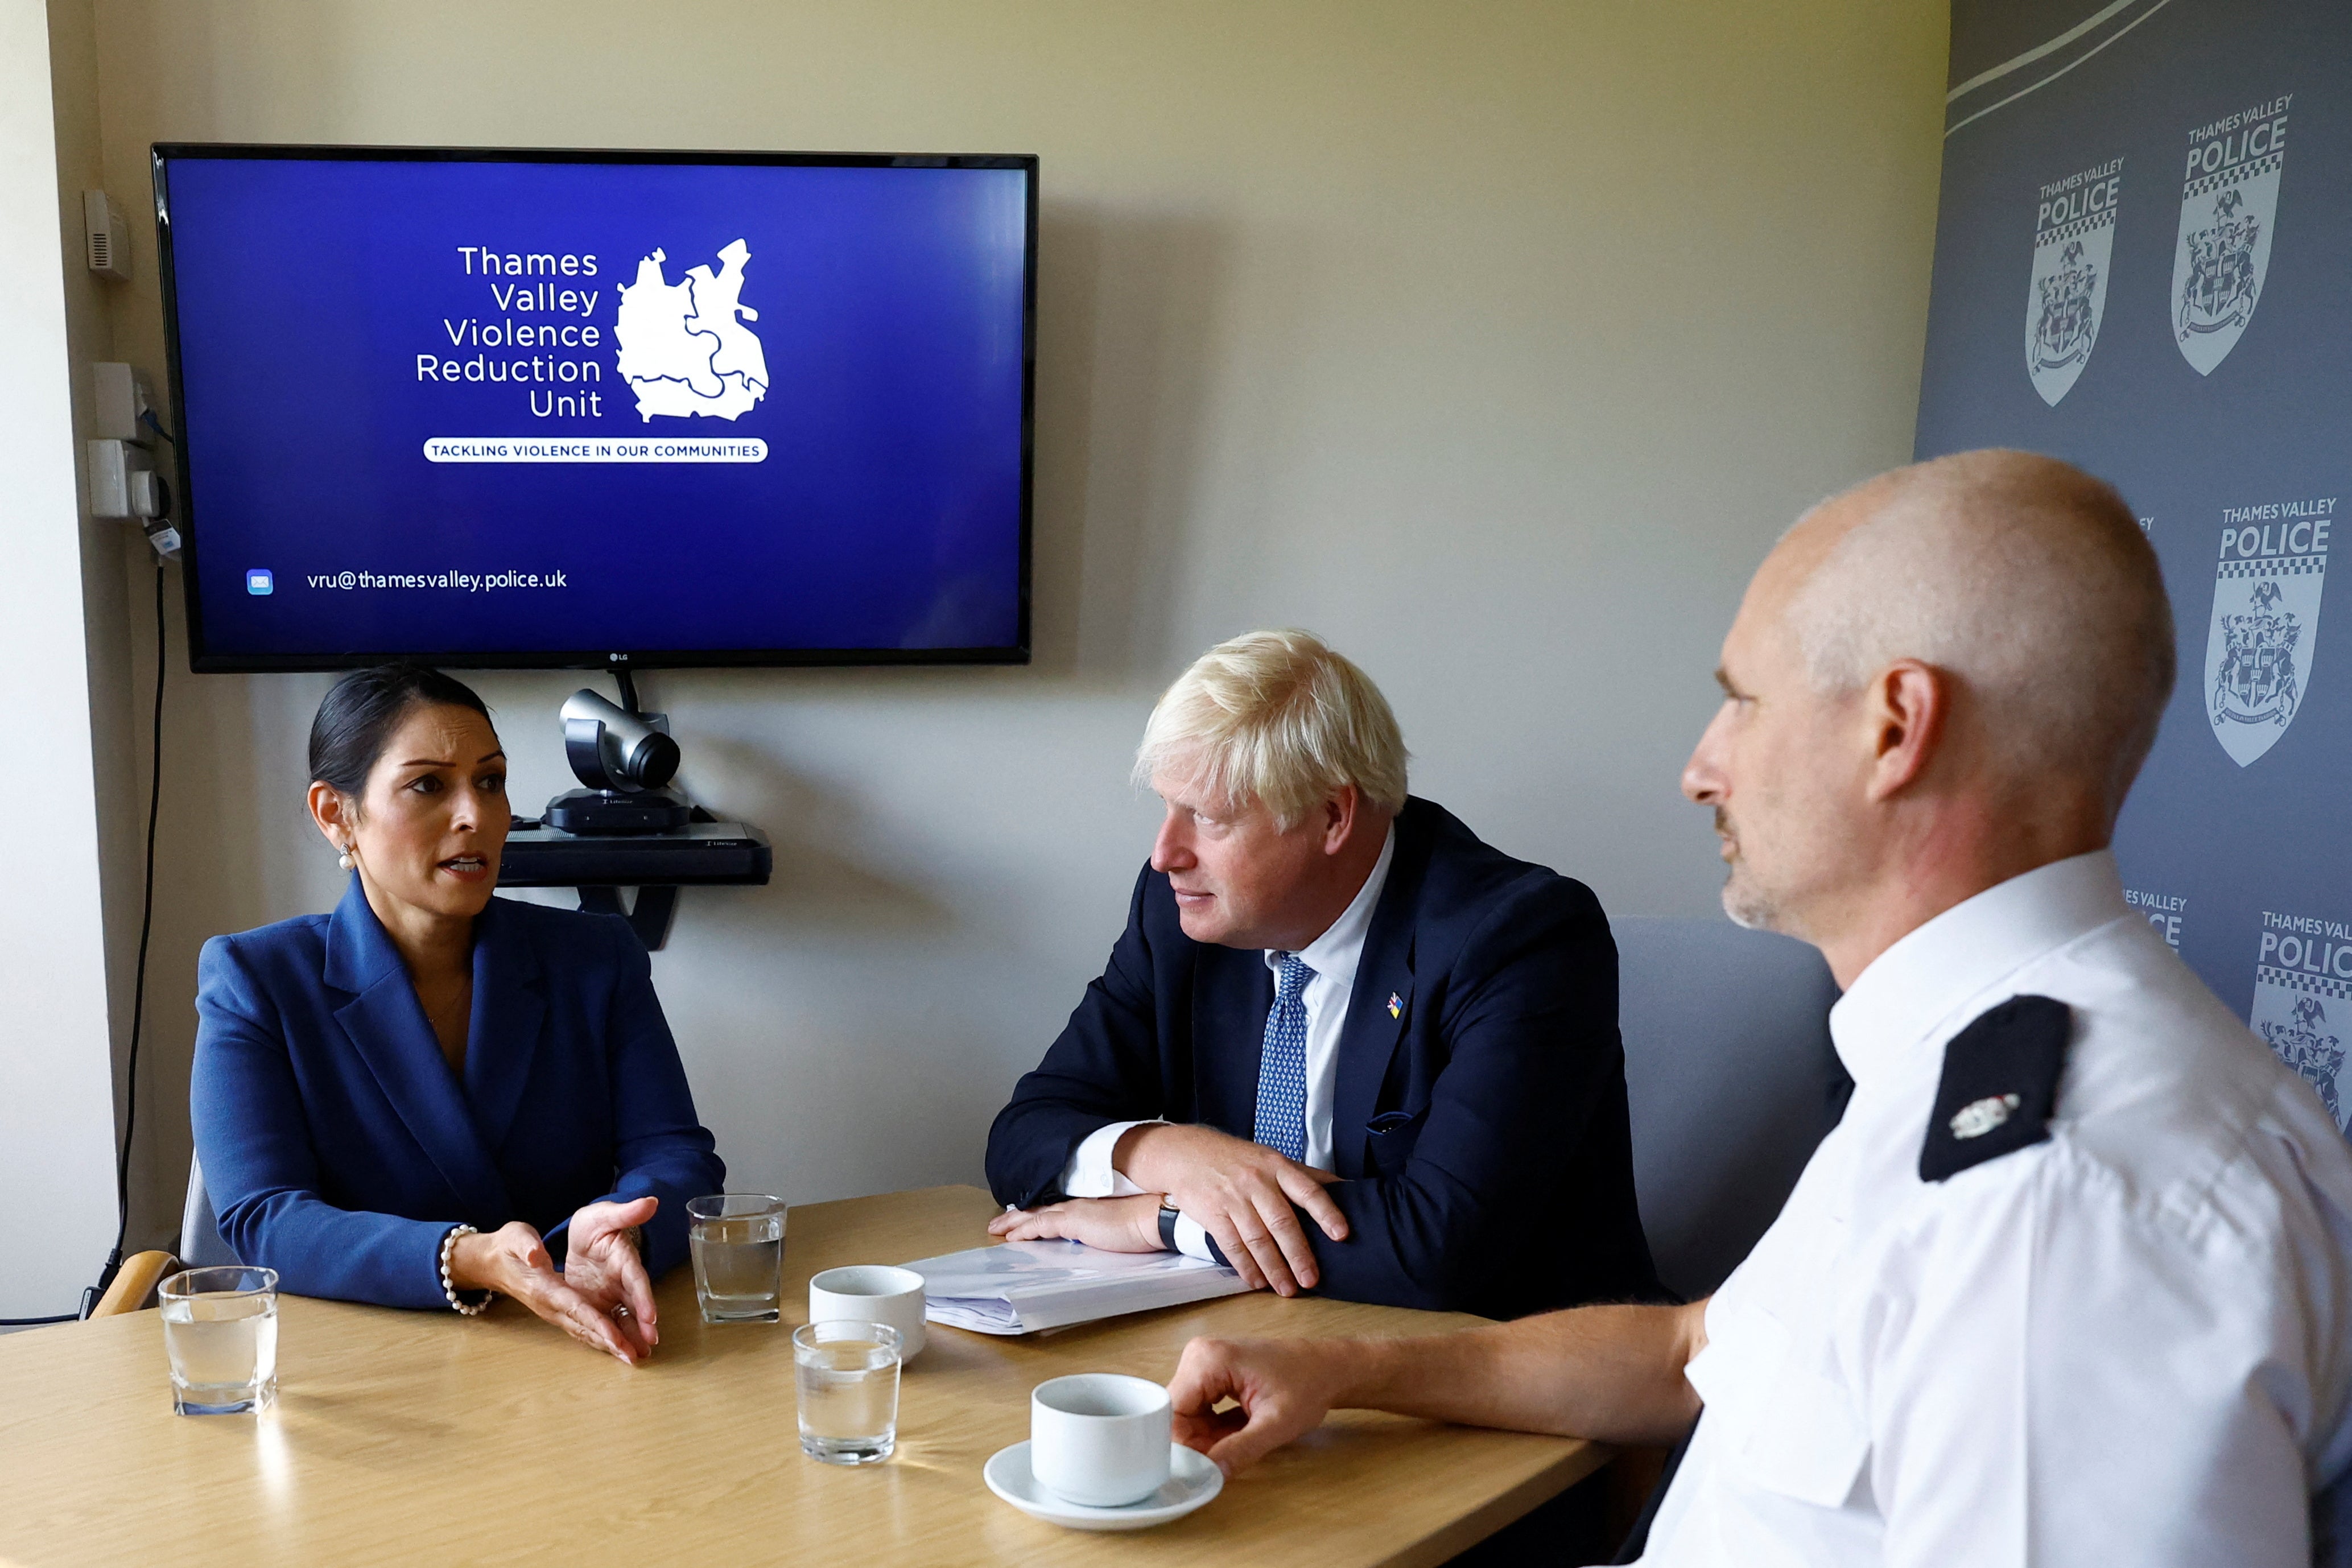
x=1479 y=1119
x=338 y=1147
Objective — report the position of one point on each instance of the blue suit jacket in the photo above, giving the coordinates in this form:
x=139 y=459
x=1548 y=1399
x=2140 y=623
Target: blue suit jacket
x=338 y=1146
x=1480 y=1125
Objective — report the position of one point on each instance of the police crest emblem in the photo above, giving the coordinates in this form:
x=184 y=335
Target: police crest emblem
x=2229 y=206
x=2073 y=237
x=2292 y=1011
x=2267 y=592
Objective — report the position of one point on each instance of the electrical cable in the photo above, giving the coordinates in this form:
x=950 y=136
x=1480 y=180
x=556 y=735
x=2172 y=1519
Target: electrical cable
x=138 y=982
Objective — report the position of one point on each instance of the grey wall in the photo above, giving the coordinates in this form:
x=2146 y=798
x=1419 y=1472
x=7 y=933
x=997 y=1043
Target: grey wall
x=1495 y=342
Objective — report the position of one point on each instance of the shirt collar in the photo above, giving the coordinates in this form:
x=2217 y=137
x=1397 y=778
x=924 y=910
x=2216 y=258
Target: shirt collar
x=1919 y=983
x=1333 y=956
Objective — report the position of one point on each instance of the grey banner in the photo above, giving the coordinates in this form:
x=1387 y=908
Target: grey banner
x=2144 y=265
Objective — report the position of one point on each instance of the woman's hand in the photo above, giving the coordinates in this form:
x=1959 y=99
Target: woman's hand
x=1115 y=1224
x=513 y=1261
x=603 y=1265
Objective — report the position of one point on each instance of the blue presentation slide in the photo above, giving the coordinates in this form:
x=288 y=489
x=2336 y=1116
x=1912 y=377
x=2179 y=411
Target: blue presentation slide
x=492 y=407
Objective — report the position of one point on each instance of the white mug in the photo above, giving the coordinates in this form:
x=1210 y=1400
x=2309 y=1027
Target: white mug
x=1099 y=1439
x=872 y=1293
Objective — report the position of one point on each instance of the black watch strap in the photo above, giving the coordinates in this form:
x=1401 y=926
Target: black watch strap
x=1169 y=1215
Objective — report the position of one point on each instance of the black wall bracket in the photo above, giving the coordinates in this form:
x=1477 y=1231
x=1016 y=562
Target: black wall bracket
x=649 y=917
x=705 y=853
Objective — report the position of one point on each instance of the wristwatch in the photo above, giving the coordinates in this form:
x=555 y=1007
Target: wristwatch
x=1169 y=1215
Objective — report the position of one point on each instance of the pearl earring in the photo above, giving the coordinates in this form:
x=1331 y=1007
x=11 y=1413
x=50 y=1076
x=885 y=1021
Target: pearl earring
x=345 y=859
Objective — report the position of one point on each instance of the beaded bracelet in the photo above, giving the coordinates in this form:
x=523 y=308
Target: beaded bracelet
x=448 y=1247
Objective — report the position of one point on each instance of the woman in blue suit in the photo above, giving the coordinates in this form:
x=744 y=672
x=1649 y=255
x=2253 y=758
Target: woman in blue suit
x=408 y=1102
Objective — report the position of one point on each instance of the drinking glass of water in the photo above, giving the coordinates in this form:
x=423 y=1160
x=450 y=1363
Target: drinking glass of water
x=220 y=1329
x=848 y=1378
x=738 y=1241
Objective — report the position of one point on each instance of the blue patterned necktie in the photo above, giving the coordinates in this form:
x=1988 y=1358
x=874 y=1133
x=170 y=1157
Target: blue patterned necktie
x=1282 y=1064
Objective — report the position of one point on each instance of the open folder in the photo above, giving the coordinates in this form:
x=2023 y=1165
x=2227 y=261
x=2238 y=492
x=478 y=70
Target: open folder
x=1021 y=1286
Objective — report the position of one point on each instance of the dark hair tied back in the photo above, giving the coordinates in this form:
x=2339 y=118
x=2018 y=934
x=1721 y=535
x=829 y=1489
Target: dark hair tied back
x=356 y=720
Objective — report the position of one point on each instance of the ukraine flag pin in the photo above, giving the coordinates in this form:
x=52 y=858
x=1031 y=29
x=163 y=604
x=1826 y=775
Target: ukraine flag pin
x=1396 y=1006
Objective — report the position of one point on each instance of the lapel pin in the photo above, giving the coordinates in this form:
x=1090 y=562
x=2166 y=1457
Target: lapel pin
x=1396 y=1006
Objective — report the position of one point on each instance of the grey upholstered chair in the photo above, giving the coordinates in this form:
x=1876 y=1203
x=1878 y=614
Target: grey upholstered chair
x=1727 y=1075
x=201 y=1246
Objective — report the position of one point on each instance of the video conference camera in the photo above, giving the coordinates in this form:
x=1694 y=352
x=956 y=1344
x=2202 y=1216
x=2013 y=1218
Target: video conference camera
x=623 y=759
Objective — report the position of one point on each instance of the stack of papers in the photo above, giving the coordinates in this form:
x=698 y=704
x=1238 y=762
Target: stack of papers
x=1024 y=1286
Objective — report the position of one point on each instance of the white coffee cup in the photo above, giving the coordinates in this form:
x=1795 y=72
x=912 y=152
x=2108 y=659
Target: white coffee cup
x=1099 y=1439
x=872 y=1293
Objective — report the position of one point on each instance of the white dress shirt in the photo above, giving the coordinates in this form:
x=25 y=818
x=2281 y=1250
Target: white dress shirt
x=2131 y=1343
x=1333 y=956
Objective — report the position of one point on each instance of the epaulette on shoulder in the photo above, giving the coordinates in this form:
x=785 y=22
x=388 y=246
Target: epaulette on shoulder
x=2000 y=1081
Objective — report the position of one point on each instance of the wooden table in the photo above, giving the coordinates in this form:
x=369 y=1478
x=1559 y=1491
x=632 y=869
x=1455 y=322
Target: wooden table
x=416 y=1437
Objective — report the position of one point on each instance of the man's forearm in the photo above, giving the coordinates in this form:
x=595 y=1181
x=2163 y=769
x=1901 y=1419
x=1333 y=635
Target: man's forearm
x=1609 y=1373
x=1129 y=1156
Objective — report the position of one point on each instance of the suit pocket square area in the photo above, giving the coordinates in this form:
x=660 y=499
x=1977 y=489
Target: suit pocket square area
x=1388 y=1138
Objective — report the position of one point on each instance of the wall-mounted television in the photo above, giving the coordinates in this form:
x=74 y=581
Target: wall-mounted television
x=508 y=408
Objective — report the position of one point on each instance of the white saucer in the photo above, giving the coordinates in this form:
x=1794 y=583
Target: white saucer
x=1192 y=1482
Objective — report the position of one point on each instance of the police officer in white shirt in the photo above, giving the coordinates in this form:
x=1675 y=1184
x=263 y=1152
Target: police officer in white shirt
x=2070 y=1283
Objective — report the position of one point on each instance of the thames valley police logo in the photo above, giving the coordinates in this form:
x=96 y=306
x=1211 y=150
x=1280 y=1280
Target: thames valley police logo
x=2229 y=205
x=2265 y=630
x=2073 y=235
x=2303 y=997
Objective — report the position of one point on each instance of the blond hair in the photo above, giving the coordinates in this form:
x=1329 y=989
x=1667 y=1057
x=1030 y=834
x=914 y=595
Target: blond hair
x=1278 y=718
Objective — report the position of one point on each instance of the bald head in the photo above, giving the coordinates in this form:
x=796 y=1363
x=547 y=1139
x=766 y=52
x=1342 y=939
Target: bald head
x=2023 y=577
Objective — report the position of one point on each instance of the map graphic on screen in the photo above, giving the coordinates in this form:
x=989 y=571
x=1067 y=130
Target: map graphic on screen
x=683 y=350
x=528 y=408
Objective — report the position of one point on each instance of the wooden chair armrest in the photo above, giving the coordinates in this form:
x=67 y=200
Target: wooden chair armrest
x=134 y=1283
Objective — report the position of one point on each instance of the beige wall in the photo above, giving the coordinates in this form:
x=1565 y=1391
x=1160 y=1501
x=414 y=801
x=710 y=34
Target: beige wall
x=1494 y=341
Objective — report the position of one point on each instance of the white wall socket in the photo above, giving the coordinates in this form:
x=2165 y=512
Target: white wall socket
x=124 y=396
x=113 y=493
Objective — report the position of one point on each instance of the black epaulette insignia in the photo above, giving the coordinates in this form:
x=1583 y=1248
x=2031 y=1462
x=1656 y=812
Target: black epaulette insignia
x=2000 y=1079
